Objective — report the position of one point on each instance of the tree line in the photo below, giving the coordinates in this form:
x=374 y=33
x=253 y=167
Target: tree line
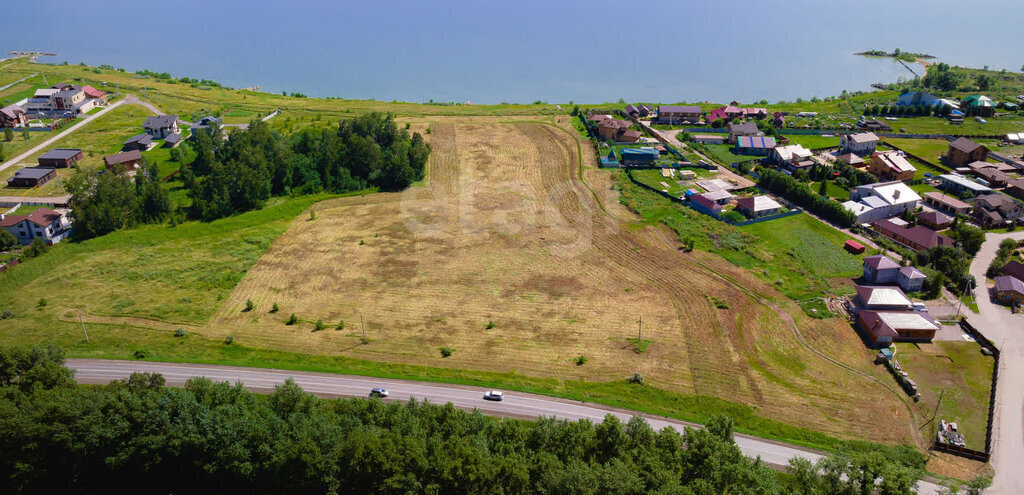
x=240 y=174
x=216 y=437
x=797 y=192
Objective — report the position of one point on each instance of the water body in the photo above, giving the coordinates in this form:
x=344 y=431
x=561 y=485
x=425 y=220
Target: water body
x=521 y=51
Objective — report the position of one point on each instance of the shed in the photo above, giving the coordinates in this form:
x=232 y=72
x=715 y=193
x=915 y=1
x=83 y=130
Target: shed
x=32 y=177
x=854 y=247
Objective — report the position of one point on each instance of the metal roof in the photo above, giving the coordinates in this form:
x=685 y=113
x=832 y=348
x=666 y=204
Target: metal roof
x=882 y=296
x=60 y=154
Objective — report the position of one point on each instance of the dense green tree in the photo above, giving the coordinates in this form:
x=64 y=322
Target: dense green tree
x=8 y=134
x=7 y=240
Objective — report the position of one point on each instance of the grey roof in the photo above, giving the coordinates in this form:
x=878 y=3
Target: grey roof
x=743 y=128
x=881 y=262
x=678 y=109
x=125 y=157
x=964 y=144
x=911 y=272
x=173 y=138
x=1008 y=283
x=33 y=172
x=61 y=154
x=161 y=122
x=143 y=138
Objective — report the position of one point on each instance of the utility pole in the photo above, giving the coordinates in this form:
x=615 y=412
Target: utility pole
x=639 y=330
x=362 y=326
x=83 y=327
x=967 y=283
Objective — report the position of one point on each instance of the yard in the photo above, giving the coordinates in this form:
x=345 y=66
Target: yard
x=722 y=153
x=958 y=373
x=927 y=149
x=813 y=141
x=832 y=190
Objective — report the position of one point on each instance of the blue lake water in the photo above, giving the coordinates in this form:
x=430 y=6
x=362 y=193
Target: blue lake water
x=521 y=51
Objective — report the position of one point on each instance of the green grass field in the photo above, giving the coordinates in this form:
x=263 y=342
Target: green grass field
x=813 y=141
x=927 y=149
x=961 y=375
x=722 y=153
x=832 y=190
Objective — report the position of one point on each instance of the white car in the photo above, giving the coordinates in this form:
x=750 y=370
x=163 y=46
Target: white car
x=379 y=392
x=493 y=395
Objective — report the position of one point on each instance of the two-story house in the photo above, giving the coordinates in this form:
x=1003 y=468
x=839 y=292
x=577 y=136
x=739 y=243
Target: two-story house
x=860 y=144
x=46 y=224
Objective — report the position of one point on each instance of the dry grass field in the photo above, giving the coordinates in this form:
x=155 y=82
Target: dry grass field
x=516 y=264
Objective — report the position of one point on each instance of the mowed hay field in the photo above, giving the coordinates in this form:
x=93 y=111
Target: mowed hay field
x=506 y=232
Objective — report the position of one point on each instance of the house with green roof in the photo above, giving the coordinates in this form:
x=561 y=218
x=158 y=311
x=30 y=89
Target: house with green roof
x=979 y=105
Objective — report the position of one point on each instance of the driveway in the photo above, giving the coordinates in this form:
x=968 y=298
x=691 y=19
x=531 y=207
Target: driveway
x=1006 y=331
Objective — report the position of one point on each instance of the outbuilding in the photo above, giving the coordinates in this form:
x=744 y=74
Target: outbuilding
x=60 y=158
x=32 y=177
x=1009 y=290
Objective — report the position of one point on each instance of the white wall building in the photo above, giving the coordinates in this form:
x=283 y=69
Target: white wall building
x=873 y=202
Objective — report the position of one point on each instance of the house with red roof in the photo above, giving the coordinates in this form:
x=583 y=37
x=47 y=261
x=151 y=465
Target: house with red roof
x=94 y=94
x=46 y=224
x=917 y=238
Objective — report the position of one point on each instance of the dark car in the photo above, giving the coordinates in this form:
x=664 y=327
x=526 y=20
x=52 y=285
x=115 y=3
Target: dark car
x=379 y=392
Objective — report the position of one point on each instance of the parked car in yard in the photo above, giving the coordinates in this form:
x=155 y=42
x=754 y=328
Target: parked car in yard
x=493 y=395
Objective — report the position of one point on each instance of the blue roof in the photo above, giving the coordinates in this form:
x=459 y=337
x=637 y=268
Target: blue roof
x=639 y=152
x=755 y=142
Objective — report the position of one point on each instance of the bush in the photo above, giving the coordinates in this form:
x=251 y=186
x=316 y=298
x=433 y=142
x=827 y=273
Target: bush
x=180 y=332
x=6 y=315
x=140 y=354
x=230 y=339
x=319 y=326
x=275 y=309
x=580 y=360
x=636 y=379
x=292 y=320
x=41 y=303
x=249 y=306
x=489 y=325
x=341 y=325
x=446 y=351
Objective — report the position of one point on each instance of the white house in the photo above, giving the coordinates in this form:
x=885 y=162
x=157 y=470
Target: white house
x=860 y=144
x=46 y=224
x=914 y=98
x=873 y=202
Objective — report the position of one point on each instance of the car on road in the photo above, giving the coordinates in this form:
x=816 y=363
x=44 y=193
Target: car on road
x=493 y=395
x=379 y=392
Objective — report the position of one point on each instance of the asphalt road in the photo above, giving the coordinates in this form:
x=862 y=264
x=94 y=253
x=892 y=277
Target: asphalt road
x=1006 y=331
x=521 y=405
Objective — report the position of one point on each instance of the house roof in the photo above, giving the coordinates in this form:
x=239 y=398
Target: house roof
x=935 y=218
x=1002 y=167
x=857 y=208
x=630 y=108
x=1015 y=183
x=851 y=159
x=881 y=262
x=891 y=193
x=787 y=153
x=964 y=144
x=892 y=321
x=678 y=109
x=175 y=137
x=732 y=109
x=12 y=111
x=979 y=101
x=947 y=200
x=160 y=122
x=92 y=92
x=995 y=202
x=1008 y=283
x=60 y=154
x=33 y=172
x=964 y=182
x=718 y=195
x=894 y=160
x=1014 y=269
x=882 y=296
x=758 y=203
x=756 y=142
x=708 y=136
x=68 y=93
x=144 y=139
x=990 y=174
x=863 y=137
x=41 y=217
x=755 y=111
x=125 y=157
x=912 y=273
x=704 y=201
x=920 y=235
x=717 y=114
x=44 y=93
x=744 y=129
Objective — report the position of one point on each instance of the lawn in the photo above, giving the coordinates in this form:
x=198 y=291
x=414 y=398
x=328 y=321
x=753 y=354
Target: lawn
x=927 y=149
x=961 y=375
x=722 y=153
x=654 y=179
x=813 y=141
x=832 y=190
